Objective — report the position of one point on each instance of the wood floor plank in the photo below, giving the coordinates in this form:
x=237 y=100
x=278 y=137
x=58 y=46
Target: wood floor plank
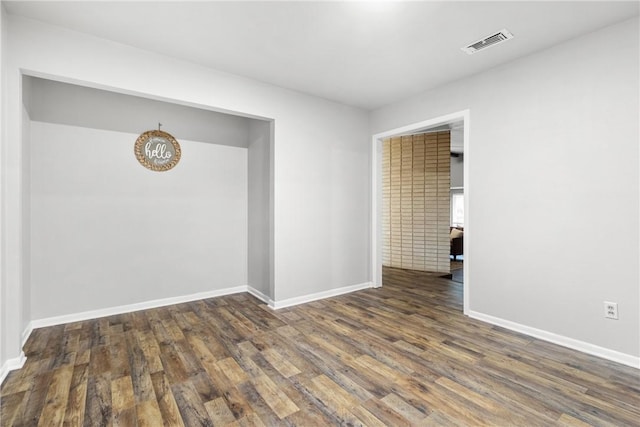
x=191 y=408
x=277 y=400
x=385 y=413
x=119 y=355
x=122 y=397
x=251 y=420
x=36 y=399
x=569 y=421
x=400 y=355
x=309 y=413
x=229 y=392
x=282 y=365
x=204 y=386
x=98 y=410
x=15 y=383
x=175 y=370
x=139 y=369
x=148 y=414
x=166 y=401
x=125 y=418
x=219 y=412
x=232 y=370
x=74 y=415
x=259 y=407
x=11 y=405
x=367 y=418
x=412 y=415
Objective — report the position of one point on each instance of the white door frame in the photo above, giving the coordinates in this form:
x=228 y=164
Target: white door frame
x=376 y=193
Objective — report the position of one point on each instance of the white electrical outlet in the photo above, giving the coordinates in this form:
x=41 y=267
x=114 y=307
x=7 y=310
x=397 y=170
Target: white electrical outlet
x=611 y=310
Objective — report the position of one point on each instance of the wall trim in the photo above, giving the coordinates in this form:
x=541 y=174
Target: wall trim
x=26 y=334
x=276 y=305
x=17 y=363
x=128 y=308
x=11 y=365
x=261 y=296
x=584 y=347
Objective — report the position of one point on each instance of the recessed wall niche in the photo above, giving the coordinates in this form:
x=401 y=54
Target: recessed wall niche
x=104 y=232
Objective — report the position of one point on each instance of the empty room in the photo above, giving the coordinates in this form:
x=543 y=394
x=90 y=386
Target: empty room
x=310 y=213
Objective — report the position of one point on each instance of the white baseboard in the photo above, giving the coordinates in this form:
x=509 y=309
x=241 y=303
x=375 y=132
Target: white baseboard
x=94 y=314
x=18 y=362
x=262 y=297
x=585 y=347
x=26 y=333
x=10 y=365
x=318 y=296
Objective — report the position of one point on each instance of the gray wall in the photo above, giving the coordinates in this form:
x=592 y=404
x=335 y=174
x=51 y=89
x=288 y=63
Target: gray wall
x=105 y=231
x=457 y=163
x=70 y=104
x=26 y=221
x=551 y=239
x=8 y=337
x=260 y=274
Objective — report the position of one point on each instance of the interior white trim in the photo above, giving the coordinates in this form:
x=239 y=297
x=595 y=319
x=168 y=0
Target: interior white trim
x=94 y=314
x=261 y=296
x=376 y=193
x=26 y=334
x=320 y=295
x=11 y=365
x=585 y=347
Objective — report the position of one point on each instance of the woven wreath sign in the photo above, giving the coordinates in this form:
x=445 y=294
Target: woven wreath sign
x=157 y=150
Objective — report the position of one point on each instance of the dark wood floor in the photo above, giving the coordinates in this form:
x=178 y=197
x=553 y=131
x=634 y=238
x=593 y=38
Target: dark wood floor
x=400 y=355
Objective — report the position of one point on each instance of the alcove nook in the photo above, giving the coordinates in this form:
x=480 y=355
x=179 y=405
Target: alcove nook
x=100 y=231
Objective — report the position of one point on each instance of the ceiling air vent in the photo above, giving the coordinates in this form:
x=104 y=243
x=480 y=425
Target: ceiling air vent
x=492 y=40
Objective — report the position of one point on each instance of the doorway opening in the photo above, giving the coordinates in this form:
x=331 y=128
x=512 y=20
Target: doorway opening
x=458 y=125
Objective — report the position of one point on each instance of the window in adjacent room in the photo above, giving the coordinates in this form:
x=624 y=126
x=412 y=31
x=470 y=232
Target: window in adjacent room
x=457 y=208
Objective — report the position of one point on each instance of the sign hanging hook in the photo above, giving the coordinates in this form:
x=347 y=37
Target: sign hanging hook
x=159 y=125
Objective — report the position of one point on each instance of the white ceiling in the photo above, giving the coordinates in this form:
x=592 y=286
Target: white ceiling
x=361 y=53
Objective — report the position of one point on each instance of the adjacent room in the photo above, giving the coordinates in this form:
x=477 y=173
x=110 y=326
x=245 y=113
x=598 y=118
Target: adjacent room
x=319 y=213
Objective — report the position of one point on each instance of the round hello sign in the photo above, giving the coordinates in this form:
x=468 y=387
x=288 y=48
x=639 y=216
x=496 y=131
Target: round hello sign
x=157 y=150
